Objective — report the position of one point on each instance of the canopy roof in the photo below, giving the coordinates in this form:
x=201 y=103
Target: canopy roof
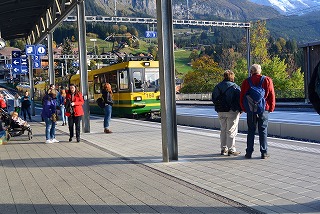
x=32 y=19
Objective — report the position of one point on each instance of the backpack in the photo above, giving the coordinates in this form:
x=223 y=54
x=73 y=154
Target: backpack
x=254 y=101
x=101 y=102
x=220 y=103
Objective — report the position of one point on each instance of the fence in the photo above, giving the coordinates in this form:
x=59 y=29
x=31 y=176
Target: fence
x=290 y=94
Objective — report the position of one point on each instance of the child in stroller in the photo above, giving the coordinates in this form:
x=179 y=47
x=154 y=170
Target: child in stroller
x=15 y=125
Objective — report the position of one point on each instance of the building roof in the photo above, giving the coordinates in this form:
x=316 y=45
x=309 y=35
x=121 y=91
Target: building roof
x=7 y=51
x=17 y=18
x=32 y=19
x=309 y=44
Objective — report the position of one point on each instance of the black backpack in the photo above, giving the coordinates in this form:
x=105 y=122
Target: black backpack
x=220 y=103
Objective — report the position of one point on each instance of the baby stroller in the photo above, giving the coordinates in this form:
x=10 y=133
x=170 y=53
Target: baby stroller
x=13 y=128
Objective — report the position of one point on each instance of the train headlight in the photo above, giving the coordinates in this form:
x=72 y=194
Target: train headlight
x=146 y=63
x=139 y=98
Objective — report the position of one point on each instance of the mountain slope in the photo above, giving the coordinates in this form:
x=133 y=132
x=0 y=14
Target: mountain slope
x=240 y=10
x=303 y=28
x=296 y=7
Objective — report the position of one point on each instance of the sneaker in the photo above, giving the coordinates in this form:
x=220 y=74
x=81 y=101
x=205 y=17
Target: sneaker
x=54 y=140
x=78 y=140
x=264 y=156
x=234 y=153
x=224 y=151
x=107 y=131
x=247 y=156
x=48 y=141
x=70 y=139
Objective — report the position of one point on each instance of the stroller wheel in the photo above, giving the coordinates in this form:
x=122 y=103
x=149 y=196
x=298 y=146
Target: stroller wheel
x=8 y=136
x=30 y=134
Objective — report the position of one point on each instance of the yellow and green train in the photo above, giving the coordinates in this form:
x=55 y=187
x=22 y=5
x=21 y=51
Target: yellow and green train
x=135 y=86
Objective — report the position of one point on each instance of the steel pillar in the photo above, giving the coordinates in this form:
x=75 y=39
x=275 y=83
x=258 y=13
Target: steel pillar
x=50 y=58
x=248 y=50
x=167 y=81
x=83 y=65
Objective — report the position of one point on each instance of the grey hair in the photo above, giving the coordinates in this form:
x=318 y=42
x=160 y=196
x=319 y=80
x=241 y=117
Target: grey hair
x=255 y=69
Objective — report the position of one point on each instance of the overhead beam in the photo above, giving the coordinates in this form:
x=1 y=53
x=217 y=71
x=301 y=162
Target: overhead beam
x=154 y=21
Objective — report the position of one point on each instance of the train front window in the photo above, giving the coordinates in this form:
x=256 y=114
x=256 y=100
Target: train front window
x=152 y=77
x=137 y=79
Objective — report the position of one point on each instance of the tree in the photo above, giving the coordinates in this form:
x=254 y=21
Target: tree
x=194 y=55
x=259 y=42
x=67 y=50
x=205 y=75
x=241 y=71
x=123 y=29
x=228 y=58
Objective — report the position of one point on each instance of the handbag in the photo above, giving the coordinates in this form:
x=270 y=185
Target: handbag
x=54 y=117
x=68 y=106
x=101 y=102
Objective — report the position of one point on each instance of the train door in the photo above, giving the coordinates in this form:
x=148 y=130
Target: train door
x=123 y=92
x=137 y=79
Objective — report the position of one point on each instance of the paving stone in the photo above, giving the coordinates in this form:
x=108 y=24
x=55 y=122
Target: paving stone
x=81 y=178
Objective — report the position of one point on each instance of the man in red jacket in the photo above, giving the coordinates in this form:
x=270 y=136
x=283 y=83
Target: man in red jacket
x=258 y=119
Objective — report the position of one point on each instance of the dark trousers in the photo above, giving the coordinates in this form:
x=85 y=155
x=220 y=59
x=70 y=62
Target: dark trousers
x=73 y=120
x=260 y=120
x=26 y=111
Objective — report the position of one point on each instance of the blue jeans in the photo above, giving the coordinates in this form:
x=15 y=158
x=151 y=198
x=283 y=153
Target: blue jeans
x=107 y=115
x=50 y=129
x=262 y=121
x=63 y=114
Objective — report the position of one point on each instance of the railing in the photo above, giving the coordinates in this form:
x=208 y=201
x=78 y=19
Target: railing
x=290 y=94
x=206 y=96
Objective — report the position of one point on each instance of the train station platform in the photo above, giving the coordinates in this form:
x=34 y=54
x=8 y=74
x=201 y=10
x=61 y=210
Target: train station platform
x=123 y=172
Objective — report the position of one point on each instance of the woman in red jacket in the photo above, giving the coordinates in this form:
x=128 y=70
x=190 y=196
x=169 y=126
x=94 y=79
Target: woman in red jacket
x=74 y=110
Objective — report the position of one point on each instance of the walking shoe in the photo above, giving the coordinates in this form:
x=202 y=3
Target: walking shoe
x=247 y=156
x=235 y=153
x=224 y=151
x=54 y=140
x=78 y=140
x=70 y=139
x=48 y=141
x=107 y=131
x=264 y=156
x=62 y=124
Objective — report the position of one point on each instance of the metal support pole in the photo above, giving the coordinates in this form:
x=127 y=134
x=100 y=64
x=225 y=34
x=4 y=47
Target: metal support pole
x=248 y=50
x=50 y=58
x=167 y=81
x=83 y=65
x=66 y=63
x=31 y=83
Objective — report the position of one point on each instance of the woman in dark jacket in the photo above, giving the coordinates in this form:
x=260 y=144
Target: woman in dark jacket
x=49 y=103
x=107 y=97
x=26 y=106
x=74 y=110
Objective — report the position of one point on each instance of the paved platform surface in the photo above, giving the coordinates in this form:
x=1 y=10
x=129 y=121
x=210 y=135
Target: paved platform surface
x=123 y=172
